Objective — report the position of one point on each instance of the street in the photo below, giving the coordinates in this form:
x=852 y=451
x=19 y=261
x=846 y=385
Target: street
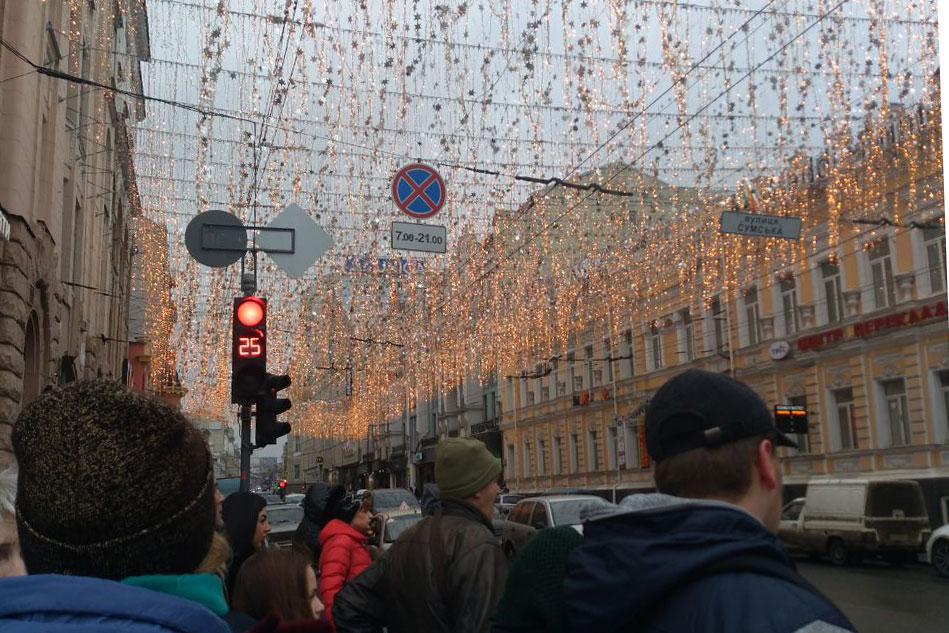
x=879 y=598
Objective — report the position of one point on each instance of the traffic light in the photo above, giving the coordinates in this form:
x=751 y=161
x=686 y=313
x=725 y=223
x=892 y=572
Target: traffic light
x=269 y=406
x=249 y=349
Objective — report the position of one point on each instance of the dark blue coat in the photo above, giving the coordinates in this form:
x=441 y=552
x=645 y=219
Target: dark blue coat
x=641 y=571
x=50 y=603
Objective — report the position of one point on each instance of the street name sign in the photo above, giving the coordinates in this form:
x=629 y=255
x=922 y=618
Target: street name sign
x=760 y=225
x=427 y=238
x=418 y=190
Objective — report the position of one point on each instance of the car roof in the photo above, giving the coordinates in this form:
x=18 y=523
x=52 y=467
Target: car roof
x=563 y=498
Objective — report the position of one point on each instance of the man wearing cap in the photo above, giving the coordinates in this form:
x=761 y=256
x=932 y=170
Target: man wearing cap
x=444 y=574
x=701 y=554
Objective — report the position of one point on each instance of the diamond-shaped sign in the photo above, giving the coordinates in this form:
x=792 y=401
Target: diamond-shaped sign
x=294 y=240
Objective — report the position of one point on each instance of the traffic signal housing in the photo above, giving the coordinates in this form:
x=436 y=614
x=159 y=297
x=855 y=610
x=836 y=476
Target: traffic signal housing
x=269 y=406
x=248 y=349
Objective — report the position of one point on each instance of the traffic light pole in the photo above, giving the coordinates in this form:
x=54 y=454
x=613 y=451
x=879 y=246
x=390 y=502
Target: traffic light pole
x=246 y=448
x=249 y=287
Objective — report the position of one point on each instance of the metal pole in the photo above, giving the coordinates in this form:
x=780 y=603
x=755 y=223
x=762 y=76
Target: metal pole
x=246 y=448
x=728 y=315
x=615 y=405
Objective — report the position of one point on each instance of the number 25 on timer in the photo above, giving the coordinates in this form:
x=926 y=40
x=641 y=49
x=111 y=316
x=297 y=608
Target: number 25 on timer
x=248 y=346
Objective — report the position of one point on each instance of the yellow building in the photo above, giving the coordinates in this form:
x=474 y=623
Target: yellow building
x=855 y=329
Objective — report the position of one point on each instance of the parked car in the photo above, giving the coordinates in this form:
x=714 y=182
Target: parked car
x=284 y=519
x=228 y=485
x=937 y=550
x=505 y=502
x=536 y=513
x=296 y=498
x=393 y=501
x=847 y=518
x=272 y=499
x=388 y=528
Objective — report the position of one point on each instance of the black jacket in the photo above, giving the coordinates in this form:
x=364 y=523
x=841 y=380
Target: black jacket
x=675 y=565
x=445 y=574
x=314 y=518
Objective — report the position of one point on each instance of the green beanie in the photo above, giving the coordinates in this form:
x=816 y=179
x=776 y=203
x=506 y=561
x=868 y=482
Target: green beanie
x=463 y=466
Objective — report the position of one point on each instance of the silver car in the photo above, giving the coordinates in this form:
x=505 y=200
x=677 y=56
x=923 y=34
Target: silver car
x=537 y=513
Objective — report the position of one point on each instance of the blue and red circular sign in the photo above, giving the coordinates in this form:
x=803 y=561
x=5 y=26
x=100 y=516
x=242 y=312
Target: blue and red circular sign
x=418 y=191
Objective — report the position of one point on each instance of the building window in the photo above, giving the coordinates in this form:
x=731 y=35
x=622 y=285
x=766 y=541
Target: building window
x=511 y=460
x=541 y=458
x=655 y=346
x=556 y=455
x=588 y=361
x=688 y=334
x=830 y=274
x=539 y=371
x=296 y=472
x=752 y=316
x=297 y=443
x=574 y=453
x=934 y=240
x=719 y=322
x=484 y=408
x=608 y=352
x=628 y=341
x=789 y=304
x=843 y=404
x=611 y=447
x=571 y=371
x=631 y=445
x=894 y=393
x=881 y=271
x=944 y=388
x=592 y=465
x=527 y=459
x=803 y=439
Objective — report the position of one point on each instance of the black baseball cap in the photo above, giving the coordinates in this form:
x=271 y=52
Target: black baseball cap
x=700 y=408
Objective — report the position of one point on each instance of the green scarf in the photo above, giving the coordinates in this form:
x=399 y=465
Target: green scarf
x=205 y=589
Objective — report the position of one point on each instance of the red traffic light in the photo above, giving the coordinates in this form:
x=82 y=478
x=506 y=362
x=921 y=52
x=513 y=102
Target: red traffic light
x=283 y=483
x=250 y=312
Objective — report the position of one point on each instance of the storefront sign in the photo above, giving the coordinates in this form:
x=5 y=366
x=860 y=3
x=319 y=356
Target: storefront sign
x=779 y=350
x=900 y=319
x=897 y=320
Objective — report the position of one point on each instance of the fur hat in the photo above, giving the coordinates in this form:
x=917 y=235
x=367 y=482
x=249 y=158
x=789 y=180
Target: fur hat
x=113 y=484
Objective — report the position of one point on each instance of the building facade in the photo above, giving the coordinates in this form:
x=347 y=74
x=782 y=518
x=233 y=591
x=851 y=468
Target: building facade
x=856 y=331
x=67 y=192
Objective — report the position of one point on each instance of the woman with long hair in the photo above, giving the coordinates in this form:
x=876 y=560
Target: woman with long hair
x=246 y=525
x=278 y=587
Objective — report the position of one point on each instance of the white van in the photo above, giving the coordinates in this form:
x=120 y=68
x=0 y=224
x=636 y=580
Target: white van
x=844 y=518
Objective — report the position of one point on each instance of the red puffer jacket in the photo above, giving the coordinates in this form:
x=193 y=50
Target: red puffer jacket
x=344 y=555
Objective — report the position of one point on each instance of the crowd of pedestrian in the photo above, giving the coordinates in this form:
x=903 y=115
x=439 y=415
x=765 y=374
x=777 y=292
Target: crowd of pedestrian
x=112 y=522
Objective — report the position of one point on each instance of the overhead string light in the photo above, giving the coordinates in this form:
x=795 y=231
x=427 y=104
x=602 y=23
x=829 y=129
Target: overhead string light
x=686 y=108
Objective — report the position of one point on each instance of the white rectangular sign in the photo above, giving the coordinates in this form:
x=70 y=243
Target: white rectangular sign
x=760 y=225
x=428 y=238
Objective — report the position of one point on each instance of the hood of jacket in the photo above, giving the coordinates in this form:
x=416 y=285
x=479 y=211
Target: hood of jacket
x=240 y=513
x=314 y=503
x=205 y=589
x=54 y=603
x=632 y=556
x=336 y=527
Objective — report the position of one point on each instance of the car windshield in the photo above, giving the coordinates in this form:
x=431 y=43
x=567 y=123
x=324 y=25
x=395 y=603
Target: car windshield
x=281 y=518
x=396 y=525
x=567 y=511
x=393 y=499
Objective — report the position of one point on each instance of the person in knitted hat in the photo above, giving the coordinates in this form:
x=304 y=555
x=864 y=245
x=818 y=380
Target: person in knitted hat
x=344 y=543
x=445 y=573
x=115 y=512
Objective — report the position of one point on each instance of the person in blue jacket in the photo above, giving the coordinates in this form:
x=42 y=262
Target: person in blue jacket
x=115 y=510
x=701 y=555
